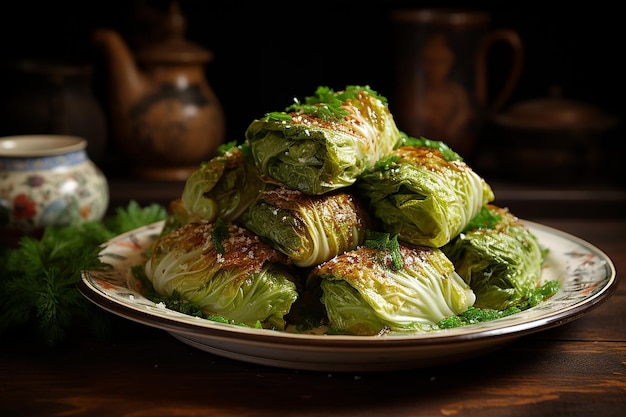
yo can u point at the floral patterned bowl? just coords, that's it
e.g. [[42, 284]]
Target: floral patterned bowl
[[48, 180]]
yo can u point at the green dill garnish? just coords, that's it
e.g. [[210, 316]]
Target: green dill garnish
[[220, 232], [385, 242], [38, 277]]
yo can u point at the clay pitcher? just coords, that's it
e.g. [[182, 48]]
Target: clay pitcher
[[165, 117], [442, 73]]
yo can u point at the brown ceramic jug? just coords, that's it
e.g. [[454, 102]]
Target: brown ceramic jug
[[165, 117], [441, 73]]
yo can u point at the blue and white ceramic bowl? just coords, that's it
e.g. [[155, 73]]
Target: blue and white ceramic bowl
[[48, 180]]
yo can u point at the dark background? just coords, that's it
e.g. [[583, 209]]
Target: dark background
[[267, 53]]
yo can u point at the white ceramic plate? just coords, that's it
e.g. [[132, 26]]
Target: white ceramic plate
[[586, 274]]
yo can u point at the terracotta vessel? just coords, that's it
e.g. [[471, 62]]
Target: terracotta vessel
[[165, 117]]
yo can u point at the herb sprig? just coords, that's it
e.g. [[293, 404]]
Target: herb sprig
[[388, 243], [38, 277]]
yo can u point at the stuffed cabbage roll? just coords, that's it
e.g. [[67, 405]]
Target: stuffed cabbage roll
[[308, 229], [365, 294], [326, 142], [499, 258], [423, 197], [225, 270], [222, 187]]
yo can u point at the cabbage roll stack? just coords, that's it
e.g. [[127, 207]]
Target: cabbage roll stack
[[222, 187], [365, 294], [308, 229], [325, 143], [225, 270], [499, 258], [423, 197]]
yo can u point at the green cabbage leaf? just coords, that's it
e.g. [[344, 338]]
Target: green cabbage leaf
[[309, 229], [499, 258], [364, 294], [325, 143], [226, 271], [223, 187], [421, 196]]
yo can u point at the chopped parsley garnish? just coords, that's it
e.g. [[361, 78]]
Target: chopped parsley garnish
[[442, 147], [485, 219], [326, 104], [386, 242], [475, 315]]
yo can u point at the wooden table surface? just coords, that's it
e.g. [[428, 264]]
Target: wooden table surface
[[576, 369]]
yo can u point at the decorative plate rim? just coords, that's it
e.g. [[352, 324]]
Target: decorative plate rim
[[587, 275]]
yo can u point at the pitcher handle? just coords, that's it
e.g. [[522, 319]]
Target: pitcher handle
[[514, 41]]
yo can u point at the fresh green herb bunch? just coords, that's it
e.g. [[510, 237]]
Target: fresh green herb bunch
[[38, 277]]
